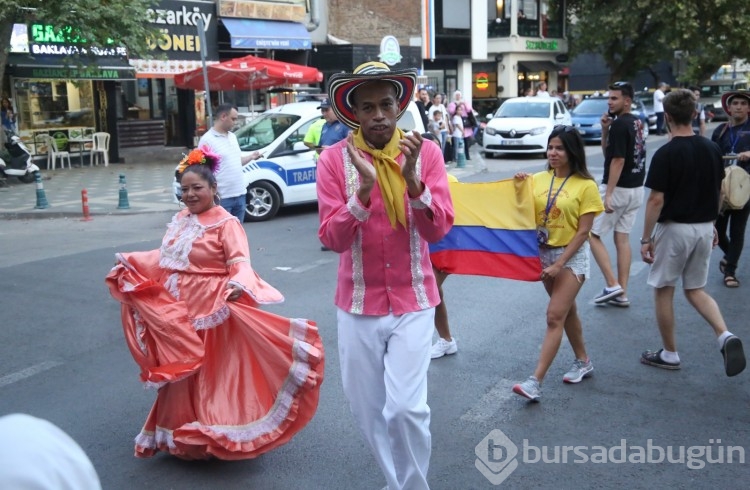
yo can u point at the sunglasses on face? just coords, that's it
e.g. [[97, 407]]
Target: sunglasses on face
[[624, 87]]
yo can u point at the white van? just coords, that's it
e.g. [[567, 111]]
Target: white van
[[285, 175]]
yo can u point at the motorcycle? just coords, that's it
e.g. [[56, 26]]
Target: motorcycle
[[20, 164]]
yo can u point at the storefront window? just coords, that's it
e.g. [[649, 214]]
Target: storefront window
[[52, 104], [498, 18], [58, 108], [528, 18]]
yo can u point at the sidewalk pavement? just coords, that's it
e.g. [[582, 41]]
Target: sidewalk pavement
[[148, 175]]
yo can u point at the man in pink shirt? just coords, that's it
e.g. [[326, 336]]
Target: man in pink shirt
[[382, 196]]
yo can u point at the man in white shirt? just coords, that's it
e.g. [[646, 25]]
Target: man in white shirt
[[223, 142], [659, 107], [541, 90]]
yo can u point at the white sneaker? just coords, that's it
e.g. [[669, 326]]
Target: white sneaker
[[442, 348]]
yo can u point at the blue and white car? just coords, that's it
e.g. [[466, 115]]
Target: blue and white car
[[286, 173]]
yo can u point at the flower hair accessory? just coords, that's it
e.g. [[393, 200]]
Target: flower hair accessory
[[200, 156]]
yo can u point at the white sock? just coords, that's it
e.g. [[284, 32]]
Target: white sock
[[668, 356], [723, 338]]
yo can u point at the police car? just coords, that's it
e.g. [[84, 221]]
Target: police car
[[285, 174]]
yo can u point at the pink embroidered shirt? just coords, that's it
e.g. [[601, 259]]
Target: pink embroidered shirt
[[382, 269]]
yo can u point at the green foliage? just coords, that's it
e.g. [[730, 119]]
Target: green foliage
[[634, 35], [96, 22]]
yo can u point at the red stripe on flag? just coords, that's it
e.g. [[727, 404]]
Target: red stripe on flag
[[475, 263]]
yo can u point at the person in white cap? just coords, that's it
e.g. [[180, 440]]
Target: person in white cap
[[37, 455]]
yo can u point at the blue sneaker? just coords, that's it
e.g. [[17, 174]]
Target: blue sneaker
[[609, 293]]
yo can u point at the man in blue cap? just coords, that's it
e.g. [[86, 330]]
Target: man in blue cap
[[333, 130]]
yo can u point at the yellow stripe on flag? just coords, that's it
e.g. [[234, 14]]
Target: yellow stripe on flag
[[504, 204]]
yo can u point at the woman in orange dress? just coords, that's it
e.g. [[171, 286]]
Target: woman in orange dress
[[233, 381]]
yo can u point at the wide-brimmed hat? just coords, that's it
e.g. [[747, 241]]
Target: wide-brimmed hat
[[726, 98], [342, 85]]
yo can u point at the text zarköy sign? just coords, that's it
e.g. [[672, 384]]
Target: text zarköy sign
[[177, 24]]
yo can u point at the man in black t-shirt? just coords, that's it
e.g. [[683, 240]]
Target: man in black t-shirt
[[621, 190], [678, 232], [733, 137]]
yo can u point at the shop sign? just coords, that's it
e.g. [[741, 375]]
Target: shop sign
[[93, 73], [177, 26], [390, 51], [44, 39], [482, 81], [541, 45]]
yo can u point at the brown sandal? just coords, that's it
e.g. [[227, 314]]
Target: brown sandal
[[731, 282]]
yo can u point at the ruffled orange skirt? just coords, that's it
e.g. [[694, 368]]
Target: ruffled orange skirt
[[233, 391]]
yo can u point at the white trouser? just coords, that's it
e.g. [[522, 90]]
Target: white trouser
[[384, 361]]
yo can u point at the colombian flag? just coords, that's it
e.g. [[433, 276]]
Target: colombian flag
[[494, 232]]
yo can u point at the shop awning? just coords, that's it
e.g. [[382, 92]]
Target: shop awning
[[532, 66], [267, 34], [27, 66]]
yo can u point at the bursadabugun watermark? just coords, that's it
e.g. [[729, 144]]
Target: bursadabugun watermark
[[496, 455]]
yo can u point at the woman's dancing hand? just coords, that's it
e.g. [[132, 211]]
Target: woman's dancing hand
[[234, 292], [521, 176]]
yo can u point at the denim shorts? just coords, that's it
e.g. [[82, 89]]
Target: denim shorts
[[579, 263]]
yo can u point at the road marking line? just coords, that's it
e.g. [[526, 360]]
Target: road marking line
[[490, 402], [28, 372], [305, 268]]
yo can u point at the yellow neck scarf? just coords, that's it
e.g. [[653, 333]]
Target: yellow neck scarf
[[388, 171]]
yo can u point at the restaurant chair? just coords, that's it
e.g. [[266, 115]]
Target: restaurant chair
[[53, 153], [100, 148]]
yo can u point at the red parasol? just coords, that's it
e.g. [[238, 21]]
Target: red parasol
[[248, 73]]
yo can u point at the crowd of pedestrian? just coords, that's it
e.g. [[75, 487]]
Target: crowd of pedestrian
[[191, 309]]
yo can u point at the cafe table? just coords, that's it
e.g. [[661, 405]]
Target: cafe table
[[81, 144]]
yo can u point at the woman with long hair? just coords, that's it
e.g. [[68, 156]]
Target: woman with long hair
[[566, 199]]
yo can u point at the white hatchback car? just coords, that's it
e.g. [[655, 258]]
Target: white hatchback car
[[286, 174], [523, 125]]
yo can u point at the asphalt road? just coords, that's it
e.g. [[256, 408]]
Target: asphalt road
[[63, 357]]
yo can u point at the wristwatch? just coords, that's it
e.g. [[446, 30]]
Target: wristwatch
[[646, 241]]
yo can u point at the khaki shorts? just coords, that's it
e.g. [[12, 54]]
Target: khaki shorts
[[681, 250], [625, 202]]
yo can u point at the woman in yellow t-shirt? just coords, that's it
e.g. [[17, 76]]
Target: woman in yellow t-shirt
[[566, 199]]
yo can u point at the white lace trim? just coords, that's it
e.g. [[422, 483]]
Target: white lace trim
[[214, 319], [354, 207], [238, 260], [172, 285], [424, 201], [154, 385], [279, 412], [150, 440], [178, 241]]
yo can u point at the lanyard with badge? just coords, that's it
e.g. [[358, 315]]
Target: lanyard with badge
[[734, 138], [542, 233]]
